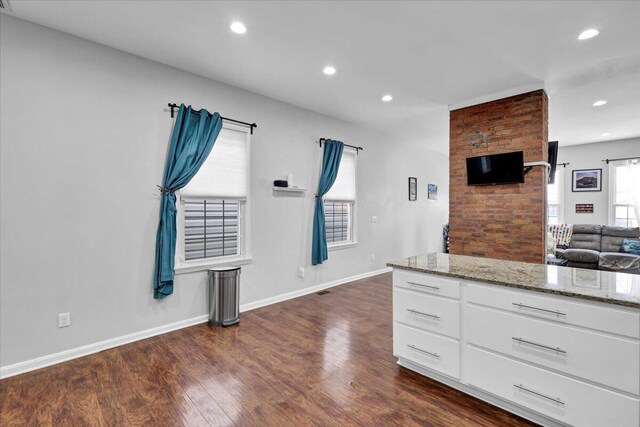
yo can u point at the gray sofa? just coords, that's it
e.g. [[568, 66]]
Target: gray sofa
[[598, 247]]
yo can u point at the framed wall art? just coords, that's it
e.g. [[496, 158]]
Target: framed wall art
[[586, 180]]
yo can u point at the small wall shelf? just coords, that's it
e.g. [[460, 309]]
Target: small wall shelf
[[289, 190]]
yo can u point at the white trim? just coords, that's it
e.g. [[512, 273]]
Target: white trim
[[311, 290], [498, 95], [338, 246], [210, 263], [74, 353], [85, 350]]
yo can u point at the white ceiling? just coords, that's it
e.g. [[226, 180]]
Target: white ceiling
[[428, 55]]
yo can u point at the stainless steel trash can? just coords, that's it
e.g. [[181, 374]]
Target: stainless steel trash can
[[224, 296]]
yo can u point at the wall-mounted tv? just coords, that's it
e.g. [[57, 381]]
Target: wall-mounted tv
[[506, 168]]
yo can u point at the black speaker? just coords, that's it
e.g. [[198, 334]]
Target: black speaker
[[280, 183]]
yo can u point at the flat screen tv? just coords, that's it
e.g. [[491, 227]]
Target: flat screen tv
[[553, 159], [506, 168]]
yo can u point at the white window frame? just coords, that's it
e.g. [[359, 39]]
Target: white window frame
[[349, 243], [354, 211], [612, 193], [244, 224], [560, 185]]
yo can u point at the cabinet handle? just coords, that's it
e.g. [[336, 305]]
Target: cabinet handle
[[553, 399], [559, 313], [413, 347], [435, 288], [520, 340], [433, 316]]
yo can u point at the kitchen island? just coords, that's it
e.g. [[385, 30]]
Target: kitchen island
[[556, 345]]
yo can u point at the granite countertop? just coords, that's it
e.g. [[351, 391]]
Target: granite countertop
[[603, 286]]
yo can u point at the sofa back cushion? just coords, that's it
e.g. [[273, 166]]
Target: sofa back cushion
[[586, 236], [612, 237]]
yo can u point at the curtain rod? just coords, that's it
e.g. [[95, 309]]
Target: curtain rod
[[614, 160], [175, 106], [346, 145], [564, 165]]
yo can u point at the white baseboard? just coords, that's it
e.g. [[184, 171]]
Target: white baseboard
[[311, 290], [74, 353]]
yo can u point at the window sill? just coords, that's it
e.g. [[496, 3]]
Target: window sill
[[342, 246], [204, 266]]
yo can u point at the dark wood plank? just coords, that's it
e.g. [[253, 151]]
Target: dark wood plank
[[317, 360]]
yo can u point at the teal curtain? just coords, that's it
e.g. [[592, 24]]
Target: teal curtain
[[330, 164], [191, 142]]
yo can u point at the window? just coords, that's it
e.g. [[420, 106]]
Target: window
[[337, 219], [623, 181], [554, 196], [212, 213], [211, 228], [340, 201]]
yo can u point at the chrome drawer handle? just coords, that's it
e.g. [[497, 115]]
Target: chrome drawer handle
[[559, 313], [553, 399], [435, 288], [433, 316], [413, 347], [558, 349]]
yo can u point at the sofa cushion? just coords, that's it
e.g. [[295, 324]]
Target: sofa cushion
[[629, 232], [586, 240], [619, 261], [581, 255], [612, 237], [587, 229]]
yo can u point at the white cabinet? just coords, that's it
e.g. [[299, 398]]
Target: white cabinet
[[431, 313], [567, 400], [600, 358], [553, 359], [432, 351]]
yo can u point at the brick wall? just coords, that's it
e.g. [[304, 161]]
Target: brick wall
[[499, 221]]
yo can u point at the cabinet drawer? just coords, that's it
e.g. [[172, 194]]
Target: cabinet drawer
[[428, 312], [601, 358], [431, 351], [617, 321], [542, 391], [426, 283]]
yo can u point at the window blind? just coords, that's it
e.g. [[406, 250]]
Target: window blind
[[225, 172], [344, 189], [211, 228], [337, 220]]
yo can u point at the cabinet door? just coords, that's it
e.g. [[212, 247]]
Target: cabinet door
[[604, 359]]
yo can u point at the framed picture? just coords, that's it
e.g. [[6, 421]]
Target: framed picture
[[432, 192], [413, 189], [586, 180]]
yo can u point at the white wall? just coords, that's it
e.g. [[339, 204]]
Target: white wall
[[590, 156], [84, 132]]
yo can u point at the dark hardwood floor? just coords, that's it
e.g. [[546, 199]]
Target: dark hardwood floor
[[315, 360]]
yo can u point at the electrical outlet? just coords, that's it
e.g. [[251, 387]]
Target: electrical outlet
[[64, 320], [373, 257], [374, 218], [301, 272]]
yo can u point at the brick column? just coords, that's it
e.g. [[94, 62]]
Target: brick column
[[499, 221]]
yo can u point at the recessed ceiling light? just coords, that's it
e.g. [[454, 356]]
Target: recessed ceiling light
[[387, 98], [587, 34], [599, 103], [329, 70], [605, 134], [238, 28]]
